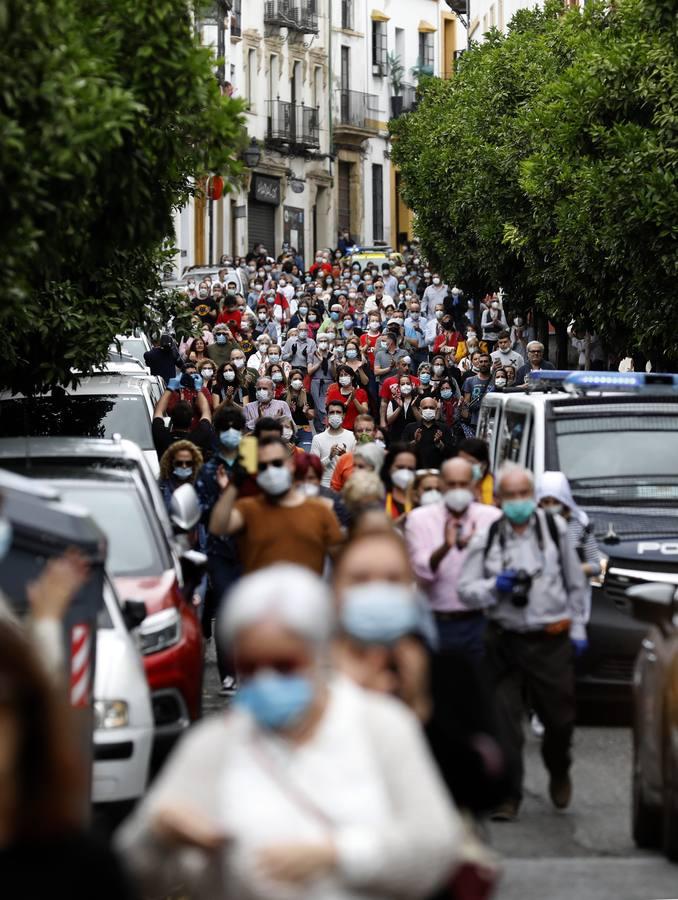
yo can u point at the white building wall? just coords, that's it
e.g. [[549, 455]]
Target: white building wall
[[250, 44]]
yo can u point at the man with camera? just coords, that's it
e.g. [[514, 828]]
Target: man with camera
[[526, 575]]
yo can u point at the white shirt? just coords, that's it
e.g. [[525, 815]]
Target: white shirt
[[322, 444], [364, 779]]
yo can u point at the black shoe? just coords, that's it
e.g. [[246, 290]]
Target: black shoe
[[560, 790], [505, 812]]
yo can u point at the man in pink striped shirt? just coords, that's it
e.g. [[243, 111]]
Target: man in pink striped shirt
[[437, 536]]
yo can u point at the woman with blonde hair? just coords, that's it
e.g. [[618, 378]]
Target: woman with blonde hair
[[179, 464]]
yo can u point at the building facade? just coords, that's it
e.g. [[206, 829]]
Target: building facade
[[321, 79]]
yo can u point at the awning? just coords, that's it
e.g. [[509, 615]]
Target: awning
[[426, 26], [378, 16]]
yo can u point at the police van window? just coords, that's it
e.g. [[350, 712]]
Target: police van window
[[486, 422], [635, 456], [514, 433]]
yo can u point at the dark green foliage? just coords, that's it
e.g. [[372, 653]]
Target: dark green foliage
[[108, 111]]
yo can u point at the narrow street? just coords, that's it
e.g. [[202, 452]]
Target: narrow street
[[586, 853]]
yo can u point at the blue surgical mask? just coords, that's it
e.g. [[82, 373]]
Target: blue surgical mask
[[379, 612], [425, 377], [6, 534], [230, 438], [447, 395], [220, 338], [334, 316], [519, 511], [276, 701], [197, 381], [181, 473]]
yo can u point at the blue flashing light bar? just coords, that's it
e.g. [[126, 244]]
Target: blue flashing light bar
[[630, 382], [547, 379]]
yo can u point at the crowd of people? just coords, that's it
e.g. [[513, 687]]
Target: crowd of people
[[386, 610]]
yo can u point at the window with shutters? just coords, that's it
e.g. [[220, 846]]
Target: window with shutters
[[377, 203], [344, 210], [379, 48]]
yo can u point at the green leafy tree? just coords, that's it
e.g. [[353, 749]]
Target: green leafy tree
[[548, 165], [109, 113], [601, 179], [460, 152]]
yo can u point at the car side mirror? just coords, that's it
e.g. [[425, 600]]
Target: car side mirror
[[133, 613], [185, 509], [654, 603]]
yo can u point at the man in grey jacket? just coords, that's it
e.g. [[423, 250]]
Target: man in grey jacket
[[525, 574]]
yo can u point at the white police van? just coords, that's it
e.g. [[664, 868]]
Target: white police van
[[615, 436]]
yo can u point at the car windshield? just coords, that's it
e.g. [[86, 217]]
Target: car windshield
[[135, 347], [620, 458], [119, 512], [78, 415]]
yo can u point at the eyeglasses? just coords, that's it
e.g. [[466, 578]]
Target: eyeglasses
[[183, 464], [283, 666], [276, 463]]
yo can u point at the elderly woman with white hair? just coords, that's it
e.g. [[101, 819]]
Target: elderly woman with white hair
[[308, 787]]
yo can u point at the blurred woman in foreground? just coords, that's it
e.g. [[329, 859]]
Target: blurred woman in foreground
[[308, 787], [44, 850]]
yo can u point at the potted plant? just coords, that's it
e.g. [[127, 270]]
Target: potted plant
[[395, 72]]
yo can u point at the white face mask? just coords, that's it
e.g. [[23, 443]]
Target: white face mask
[[287, 434], [500, 382], [428, 415], [556, 509], [238, 363], [458, 499], [438, 370], [275, 481], [344, 380], [263, 395], [309, 489], [439, 313], [429, 497], [405, 389], [402, 478], [296, 384], [373, 326], [207, 373], [436, 281], [335, 420], [277, 377]]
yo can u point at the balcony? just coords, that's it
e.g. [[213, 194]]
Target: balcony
[[298, 16], [293, 127]]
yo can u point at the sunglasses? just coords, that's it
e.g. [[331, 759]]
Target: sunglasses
[[183, 465], [276, 463], [283, 666]]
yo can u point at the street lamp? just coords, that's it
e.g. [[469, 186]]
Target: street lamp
[[252, 155]]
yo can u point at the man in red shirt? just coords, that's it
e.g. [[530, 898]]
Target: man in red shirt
[[199, 399]]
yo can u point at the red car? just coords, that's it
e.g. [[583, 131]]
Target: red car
[[112, 480]]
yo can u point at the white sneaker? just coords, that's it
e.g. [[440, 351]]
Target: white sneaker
[[536, 725], [228, 686]]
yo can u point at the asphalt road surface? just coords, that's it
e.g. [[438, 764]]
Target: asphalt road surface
[[585, 853]]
